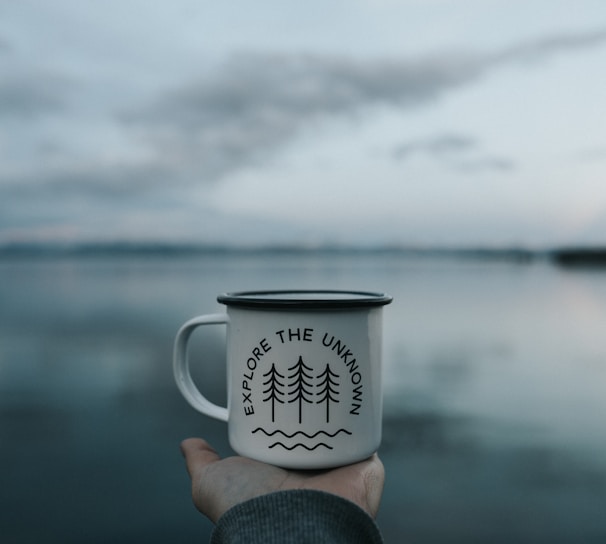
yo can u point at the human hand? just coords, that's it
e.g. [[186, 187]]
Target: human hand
[[219, 484]]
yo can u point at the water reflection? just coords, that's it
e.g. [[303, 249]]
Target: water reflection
[[494, 409]]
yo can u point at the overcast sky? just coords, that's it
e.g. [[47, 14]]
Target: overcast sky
[[457, 122]]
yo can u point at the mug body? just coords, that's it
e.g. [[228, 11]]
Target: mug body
[[304, 382]]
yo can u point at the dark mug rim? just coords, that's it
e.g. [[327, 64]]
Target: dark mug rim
[[304, 298]]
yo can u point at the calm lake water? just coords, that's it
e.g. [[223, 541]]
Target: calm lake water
[[495, 394]]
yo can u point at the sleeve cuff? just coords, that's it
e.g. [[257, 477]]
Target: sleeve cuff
[[301, 516]]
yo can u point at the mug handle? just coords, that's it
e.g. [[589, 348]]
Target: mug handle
[[181, 366]]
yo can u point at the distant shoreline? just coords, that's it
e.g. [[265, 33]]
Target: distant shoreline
[[566, 256], [580, 257]]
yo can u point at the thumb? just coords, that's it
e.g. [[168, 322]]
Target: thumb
[[198, 455]]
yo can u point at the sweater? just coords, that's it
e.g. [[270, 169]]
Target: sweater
[[297, 516]]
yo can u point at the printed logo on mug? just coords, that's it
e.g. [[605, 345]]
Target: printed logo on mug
[[304, 375]]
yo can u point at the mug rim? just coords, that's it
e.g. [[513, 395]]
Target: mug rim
[[304, 298]]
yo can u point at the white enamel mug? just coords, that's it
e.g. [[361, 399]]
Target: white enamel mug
[[304, 375]]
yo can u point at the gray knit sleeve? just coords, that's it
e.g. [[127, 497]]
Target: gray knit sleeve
[[298, 516]]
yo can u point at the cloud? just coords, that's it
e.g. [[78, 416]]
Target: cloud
[[24, 97], [456, 151], [4, 46], [27, 92], [545, 48], [97, 180], [258, 103], [110, 199], [239, 116], [440, 145], [483, 164], [255, 104]]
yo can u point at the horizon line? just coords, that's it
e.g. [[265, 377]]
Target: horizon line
[[564, 254]]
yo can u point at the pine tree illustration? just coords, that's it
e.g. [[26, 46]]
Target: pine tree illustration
[[274, 389], [327, 392], [300, 385]]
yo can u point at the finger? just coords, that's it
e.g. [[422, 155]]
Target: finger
[[374, 479], [198, 455]]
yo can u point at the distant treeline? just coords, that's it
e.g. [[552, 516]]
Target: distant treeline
[[569, 257], [591, 257]]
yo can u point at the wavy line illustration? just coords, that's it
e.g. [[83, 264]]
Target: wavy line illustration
[[301, 432], [290, 448]]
